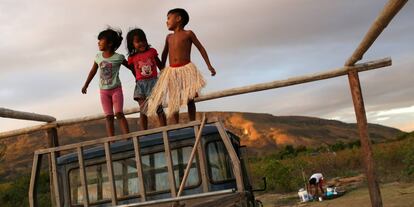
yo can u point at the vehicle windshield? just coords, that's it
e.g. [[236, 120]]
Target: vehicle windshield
[[155, 173], [126, 179]]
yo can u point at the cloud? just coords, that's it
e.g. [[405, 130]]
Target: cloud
[[47, 48], [397, 111]]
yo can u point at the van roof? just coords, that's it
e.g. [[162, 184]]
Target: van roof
[[145, 141]]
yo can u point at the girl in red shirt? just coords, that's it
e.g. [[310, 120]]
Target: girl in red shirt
[[143, 59]]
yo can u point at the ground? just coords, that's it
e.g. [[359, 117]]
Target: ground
[[393, 195]]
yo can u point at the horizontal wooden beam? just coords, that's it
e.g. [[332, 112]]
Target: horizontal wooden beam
[[122, 136], [297, 80], [8, 113], [380, 63], [92, 117]]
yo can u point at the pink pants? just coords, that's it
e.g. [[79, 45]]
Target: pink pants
[[112, 99]]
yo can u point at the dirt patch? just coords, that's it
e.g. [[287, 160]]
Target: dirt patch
[[393, 195]]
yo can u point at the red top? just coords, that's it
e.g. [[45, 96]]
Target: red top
[[144, 64]]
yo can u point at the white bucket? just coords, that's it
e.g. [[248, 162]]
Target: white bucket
[[303, 195]]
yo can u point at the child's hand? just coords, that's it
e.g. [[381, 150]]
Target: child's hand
[[84, 89], [212, 70]]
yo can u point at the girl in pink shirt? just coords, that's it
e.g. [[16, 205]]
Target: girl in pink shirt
[[144, 61]]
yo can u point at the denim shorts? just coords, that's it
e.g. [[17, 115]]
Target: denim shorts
[[144, 87]]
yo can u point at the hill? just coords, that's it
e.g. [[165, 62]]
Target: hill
[[263, 133]]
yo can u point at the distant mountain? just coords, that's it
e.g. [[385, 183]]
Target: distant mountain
[[263, 133]]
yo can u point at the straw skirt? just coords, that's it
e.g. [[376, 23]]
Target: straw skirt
[[175, 86]]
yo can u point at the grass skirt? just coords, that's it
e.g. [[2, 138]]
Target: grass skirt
[[175, 86]]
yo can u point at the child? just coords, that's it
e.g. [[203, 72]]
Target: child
[[181, 81], [109, 62], [144, 61]]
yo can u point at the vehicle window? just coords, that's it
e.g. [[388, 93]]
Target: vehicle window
[[126, 180], [180, 159], [156, 173], [125, 175], [219, 162]]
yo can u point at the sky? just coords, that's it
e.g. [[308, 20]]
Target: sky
[[47, 48]]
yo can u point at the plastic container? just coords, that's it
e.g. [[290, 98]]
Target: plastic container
[[303, 195], [329, 192]]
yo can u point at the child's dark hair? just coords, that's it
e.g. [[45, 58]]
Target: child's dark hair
[[182, 13], [137, 32], [112, 36]]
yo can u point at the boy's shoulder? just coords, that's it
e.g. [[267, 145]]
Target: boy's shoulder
[[184, 32], [188, 32]]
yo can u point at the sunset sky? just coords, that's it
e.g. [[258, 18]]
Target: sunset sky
[[47, 48]]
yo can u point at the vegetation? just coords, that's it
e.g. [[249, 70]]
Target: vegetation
[[15, 193], [288, 169]]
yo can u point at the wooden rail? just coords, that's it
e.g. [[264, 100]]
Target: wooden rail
[[192, 155], [380, 23], [370, 65], [8, 113]]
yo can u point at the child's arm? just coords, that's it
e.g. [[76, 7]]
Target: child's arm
[[203, 52], [92, 73], [159, 63], [164, 53], [130, 67]]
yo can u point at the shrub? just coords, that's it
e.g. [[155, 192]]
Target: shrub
[[16, 193]]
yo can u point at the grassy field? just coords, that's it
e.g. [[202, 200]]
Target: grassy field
[[287, 170], [394, 162]]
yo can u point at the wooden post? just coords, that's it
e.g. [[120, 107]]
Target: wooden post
[[233, 156], [140, 173], [368, 160], [55, 179], [380, 23], [110, 169], [190, 160], [82, 175], [52, 138], [169, 162], [52, 141], [34, 179], [203, 163]]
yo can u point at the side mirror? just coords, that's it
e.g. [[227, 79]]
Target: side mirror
[[264, 186]]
